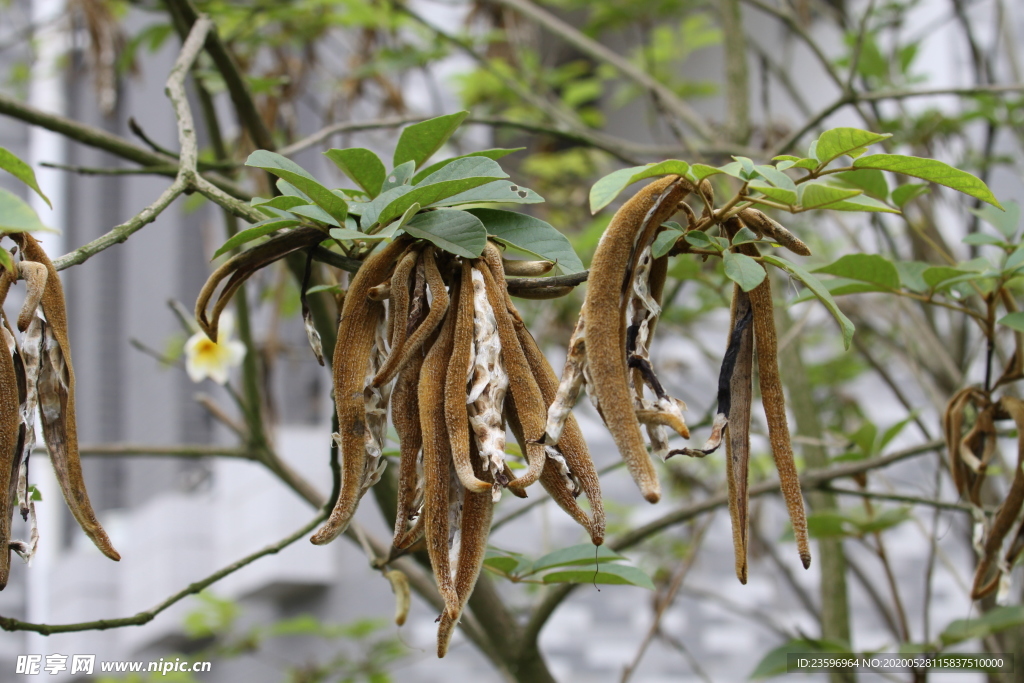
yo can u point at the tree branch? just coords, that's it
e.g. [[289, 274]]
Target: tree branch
[[10, 624], [810, 480]]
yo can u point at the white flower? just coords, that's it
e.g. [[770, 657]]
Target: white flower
[[205, 358]]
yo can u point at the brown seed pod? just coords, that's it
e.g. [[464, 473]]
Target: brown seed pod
[[356, 334], [57, 400], [437, 460], [523, 389], [10, 428], [605, 312], [526, 268], [35, 275], [417, 335], [765, 226], [1007, 513], [398, 316], [460, 367], [737, 438]]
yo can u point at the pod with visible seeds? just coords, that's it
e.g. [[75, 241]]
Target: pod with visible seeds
[[605, 312], [488, 384], [523, 389], [356, 335], [57, 400], [460, 368]]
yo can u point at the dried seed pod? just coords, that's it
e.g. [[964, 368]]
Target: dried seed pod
[[468, 553], [1007, 513], [631, 230], [398, 316], [418, 335], [526, 268], [766, 345], [437, 459], [765, 226], [10, 430], [461, 368], [242, 266], [488, 383], [737, 443], [523, 389], [403, 595], [356, 335], [375, 405], [569, 469], [544, 293], [57, 400], [34, 274]]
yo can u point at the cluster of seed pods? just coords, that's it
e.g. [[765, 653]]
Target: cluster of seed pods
[[36, 372], [438, 337]]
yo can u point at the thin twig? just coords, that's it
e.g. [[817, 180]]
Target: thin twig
[[144, 617]]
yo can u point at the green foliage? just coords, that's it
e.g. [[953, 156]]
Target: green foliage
[[420, 141], [743, 270], [931, 170], [608, 188], [584, 563], [994, 621], [22, 171]]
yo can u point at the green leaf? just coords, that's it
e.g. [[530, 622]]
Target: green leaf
[[35, 494], [839, 141], [606, 573], [290, 190], [743, 270], [585, 553], [978, 239], [392, 203], [820, 195], [775, 663], [904, 193], [702, 240], [664, 242], [865, 267], [936, 275], [871, 181], [495, 154], [457, 232], [350, 234], [531, 235], [333, 289], [744, 236], [469, 167], [1015, 321], [1006, 221], [608, 188], [257, 230], [17, 216], [22, 171], [6, 261], [912, 274], [932, 171], [419, 141], [994, 621], [776, 194], [795, 162], [699, 172], [284, 202], [361, 165], [288, 170], [498, 191], [819, 290], [400, 175], [776, 178], [316, 213], [861, 203]]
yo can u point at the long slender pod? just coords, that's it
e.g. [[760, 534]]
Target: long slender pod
[[10, 426], [605, 314], [398, 315], [356, 335], [57, 401], [737, 436]]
